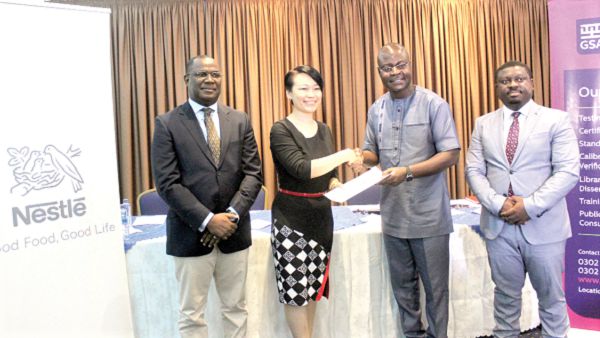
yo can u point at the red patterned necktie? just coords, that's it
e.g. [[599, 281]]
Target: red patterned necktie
[[511, 143], [211, 135]]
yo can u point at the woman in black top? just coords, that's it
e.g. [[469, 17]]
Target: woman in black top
[[302, 224]]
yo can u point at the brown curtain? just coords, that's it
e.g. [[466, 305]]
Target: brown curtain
[[455, 47]]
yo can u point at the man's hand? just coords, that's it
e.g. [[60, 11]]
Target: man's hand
[[396, 176], [220, 227], [508, 203], [209, 239], [515, 214]]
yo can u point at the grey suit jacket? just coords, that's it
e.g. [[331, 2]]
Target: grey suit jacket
[[193, 185], [545, 168]]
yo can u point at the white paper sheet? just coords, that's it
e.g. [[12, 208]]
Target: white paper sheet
[[259, 224], [356, 186], [133, 230], [465, 203], [156, 219]]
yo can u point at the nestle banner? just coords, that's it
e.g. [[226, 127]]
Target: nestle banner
[[62, 263], [575, 64]]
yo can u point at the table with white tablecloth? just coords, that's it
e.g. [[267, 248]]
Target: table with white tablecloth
[[361, 303]]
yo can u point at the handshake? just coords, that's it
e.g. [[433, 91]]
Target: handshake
[[355, 159]]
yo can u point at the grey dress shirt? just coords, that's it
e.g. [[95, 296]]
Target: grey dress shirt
[[404, 132]]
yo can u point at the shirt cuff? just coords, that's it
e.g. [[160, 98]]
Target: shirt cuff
[[202, 227], [232, 210]]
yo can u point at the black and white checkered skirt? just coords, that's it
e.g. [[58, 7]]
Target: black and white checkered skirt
[[301, 239], [301, 266]]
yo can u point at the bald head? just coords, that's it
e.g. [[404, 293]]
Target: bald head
[[394, 70], [389, 51]]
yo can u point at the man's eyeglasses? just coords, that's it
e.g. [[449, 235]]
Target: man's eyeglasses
[[400, 66], [508, 81], [204, 75]]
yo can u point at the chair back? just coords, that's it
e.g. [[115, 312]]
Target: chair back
[[369, 196], [260, 203], [150, 203]]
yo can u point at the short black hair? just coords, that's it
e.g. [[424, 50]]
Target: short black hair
[[190, 62], [512, 64], [308, 70]]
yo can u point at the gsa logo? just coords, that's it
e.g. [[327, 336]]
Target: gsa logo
[[37, 170], [588, 36]]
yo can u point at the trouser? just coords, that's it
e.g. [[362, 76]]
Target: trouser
[[511, 257], [194, 275], [427, 259]]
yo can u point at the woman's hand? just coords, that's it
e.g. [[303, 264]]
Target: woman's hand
[[334, 183]]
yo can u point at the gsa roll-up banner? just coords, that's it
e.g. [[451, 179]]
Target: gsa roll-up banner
[[575, 65], [62, 263]]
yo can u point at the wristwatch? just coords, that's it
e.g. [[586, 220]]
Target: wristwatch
[[409, 174]]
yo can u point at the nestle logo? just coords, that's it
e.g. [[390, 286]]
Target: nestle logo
[[43, 169], [49, 211], [588, 36]]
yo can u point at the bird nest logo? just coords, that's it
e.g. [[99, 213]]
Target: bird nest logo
[[38, 170]]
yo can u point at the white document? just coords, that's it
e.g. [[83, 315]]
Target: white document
[[473, 206], [259, 224], [356, 186], [155, 219]]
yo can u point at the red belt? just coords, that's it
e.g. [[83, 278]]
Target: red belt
[[301, 194]]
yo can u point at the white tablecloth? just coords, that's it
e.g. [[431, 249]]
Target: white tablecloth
[[361, 303]]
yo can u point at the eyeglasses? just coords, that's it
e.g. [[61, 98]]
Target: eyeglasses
[[517, 79], [204, 75], [400, 66]]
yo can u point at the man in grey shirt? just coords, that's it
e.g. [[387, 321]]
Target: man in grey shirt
[[411, 135]]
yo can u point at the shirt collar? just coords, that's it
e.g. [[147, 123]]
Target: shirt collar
[[197, 107], [525, 110]]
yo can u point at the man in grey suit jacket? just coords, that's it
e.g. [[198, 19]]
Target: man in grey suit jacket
[[206, 167], [524, 217]]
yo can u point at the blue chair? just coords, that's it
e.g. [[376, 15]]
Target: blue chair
[[150, 203], [369, 196], [260, 203]]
